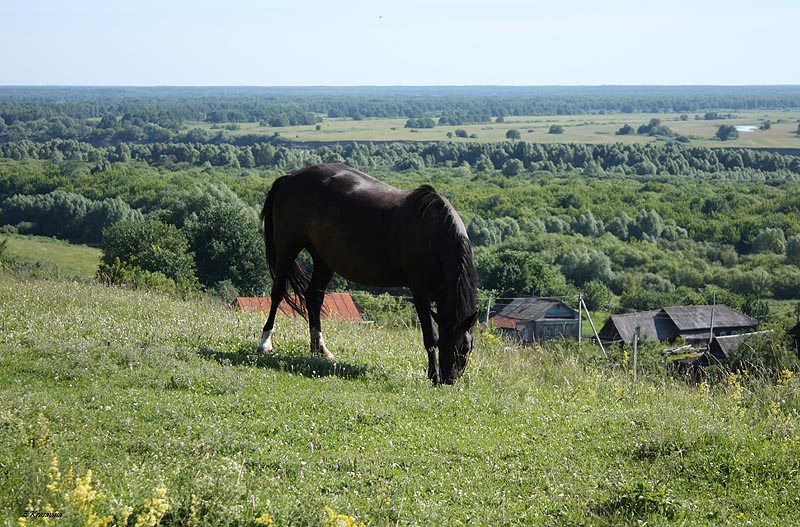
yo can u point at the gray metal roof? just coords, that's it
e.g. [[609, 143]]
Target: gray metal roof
[[695, 318], [530, 308], [668, 323], [654, 325], [728, 345]]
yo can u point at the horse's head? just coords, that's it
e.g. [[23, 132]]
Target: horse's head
[[454, 348]]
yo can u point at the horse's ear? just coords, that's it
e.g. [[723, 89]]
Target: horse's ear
[[469, 322]]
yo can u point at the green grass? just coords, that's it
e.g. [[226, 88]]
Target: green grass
[[592, 129], [65, 259], [150, 392]]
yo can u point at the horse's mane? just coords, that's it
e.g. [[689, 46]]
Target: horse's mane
[[461, 288]]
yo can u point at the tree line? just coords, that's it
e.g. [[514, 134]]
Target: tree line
[[510, 157]]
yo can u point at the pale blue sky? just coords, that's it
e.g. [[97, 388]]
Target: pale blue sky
[[398, 42]]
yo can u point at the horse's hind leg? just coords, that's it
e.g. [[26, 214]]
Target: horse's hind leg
[[282, 267], [315, 295], [278, 290]]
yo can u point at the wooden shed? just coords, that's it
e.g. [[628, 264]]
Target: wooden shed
[[692, 323], [534, 319], [335, 305]]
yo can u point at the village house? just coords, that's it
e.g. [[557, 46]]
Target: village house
[[534, 319], [690, 323]]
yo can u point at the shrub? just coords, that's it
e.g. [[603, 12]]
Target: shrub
[[151, 246]]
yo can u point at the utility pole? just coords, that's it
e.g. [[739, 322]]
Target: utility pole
[[596, 336], [636, 351], [711, 329], [580, 318]]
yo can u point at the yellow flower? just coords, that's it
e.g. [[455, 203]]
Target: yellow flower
[[340, 520], [156, 508], [266, 520]]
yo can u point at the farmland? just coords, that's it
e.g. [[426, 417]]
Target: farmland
[[166, 404], [584, 129]]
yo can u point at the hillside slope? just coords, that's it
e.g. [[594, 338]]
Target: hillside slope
[[162, 407]]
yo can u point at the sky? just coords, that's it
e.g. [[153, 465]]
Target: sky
[[398, 42]]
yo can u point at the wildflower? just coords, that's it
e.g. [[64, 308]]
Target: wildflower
[[156, 508], [340, 520], [785, 378], [266, 520]]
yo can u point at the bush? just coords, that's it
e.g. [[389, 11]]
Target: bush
[[151, 246], [727, 132], [124, 274], [227, 245]]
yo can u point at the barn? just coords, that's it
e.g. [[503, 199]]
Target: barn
[[691, 323], [534, 319], [335, 305]]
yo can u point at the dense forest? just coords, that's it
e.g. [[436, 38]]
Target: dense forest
[[630, 226]]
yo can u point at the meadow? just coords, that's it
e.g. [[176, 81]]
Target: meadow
[[124, 407], [52, 256], [585, 129]]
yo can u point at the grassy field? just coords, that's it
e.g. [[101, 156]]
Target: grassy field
[[577, 129], [124, 407], [64, 259]]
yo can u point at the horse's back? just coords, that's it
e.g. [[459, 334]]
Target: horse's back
[[355, 223], [333, 182]]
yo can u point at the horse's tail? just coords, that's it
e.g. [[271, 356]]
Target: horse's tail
[[297, 277]]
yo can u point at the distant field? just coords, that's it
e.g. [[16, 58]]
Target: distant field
[[592, 129], [70, 260]]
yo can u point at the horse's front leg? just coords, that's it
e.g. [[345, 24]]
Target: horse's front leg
[[429, 339]]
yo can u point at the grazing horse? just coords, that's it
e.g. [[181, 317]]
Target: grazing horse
[[373, 234]]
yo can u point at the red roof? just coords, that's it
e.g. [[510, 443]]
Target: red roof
[[335, 305]]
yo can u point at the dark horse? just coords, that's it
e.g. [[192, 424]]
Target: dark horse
[[377, 235]]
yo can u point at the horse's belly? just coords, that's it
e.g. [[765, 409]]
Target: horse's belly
[[365, 267]]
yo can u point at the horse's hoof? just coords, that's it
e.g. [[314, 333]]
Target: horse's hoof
[[265, 346], [327, 355]]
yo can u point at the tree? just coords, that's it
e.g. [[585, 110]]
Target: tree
[[727, 132], [152, 246], [227, 245], [648, 225], [620, 225], [556, 129], [596, 295], [587, 225], [793, 250], [513, 134], [769, 240], [482, 233], [625, 130], [518, 273], [513, 167], [647, 128], [581, 266]]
